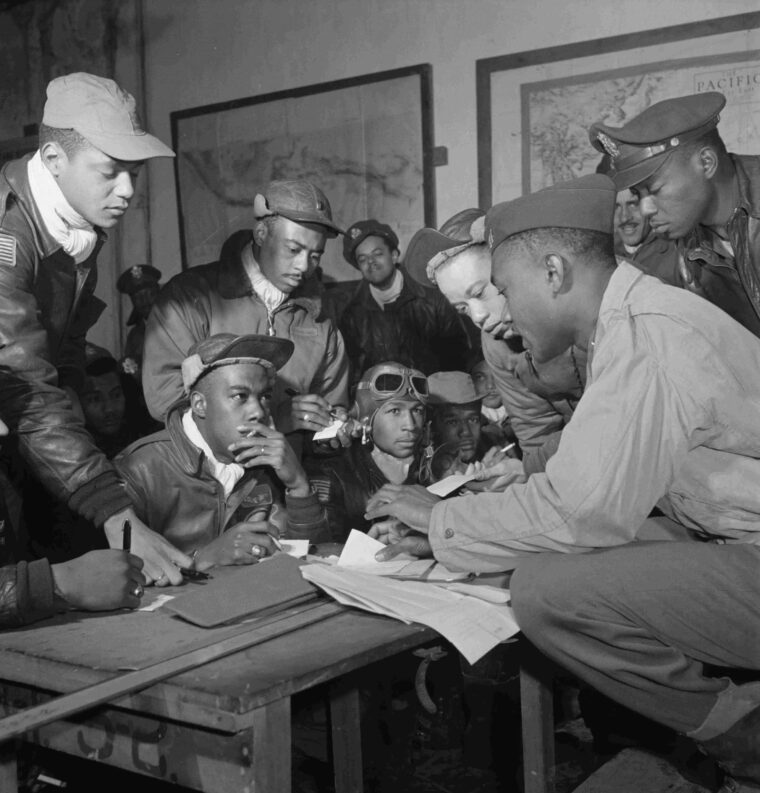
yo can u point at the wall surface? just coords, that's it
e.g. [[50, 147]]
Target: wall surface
[[204, 51]]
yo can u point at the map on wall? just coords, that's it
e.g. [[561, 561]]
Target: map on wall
[[536, 111], [558, 112], [361, 144]]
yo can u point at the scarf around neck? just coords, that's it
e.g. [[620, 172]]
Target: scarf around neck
[[75, 235], [384, 296], [227, 474], [268, 293]]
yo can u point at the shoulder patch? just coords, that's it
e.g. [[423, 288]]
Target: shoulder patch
[[322, 488], [7, 250]]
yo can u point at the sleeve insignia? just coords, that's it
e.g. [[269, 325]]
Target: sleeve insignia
[[7, 250]]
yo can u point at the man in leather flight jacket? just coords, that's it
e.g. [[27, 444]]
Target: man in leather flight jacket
[[54, 206]]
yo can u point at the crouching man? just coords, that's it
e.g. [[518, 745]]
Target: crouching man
[[210, 482]]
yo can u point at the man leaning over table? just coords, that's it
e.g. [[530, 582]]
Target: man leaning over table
[[670, 418], [55, 206]]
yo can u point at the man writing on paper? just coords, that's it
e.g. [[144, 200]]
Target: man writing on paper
[[670, 417], [55, 206], [258, 286]]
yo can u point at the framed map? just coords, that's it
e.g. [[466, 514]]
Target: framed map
[[535, 108], [366, 141]]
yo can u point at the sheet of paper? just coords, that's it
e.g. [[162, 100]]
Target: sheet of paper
[[471, 624], [159, 601], [450, 484], [297, 548], [329, 432], [359, 554], [359, 550]]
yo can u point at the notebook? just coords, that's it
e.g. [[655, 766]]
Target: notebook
[[251, 591]]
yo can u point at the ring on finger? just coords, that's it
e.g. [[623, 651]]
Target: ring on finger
[[256, 550], [138, 591], [305, 416]]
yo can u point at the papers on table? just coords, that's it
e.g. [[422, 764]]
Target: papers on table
[[472, 624], [329, 432], [359, 554], [449, 484]]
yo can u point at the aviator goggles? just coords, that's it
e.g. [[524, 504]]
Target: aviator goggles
[[389, 381]]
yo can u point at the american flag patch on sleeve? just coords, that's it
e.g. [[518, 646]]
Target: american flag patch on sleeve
[[322, 488], [7, 250]]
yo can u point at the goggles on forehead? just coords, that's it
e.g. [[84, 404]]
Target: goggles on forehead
[[390, 381]]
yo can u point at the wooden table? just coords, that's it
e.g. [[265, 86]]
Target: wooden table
[[223, 727]]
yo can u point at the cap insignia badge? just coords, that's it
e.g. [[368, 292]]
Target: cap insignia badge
[[608, 144]]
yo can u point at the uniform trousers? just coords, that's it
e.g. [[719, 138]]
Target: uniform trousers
[[640, 621]]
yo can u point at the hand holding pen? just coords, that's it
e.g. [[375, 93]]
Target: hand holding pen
[[309, 411]]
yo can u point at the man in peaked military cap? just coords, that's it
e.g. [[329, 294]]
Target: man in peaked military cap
[[665, 420], [140, 282], [258, 286], [692, 190]]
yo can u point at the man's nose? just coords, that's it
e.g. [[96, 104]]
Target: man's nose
[[478, 313], [256, 411], [647, 207], [302, 261], [125, 185]]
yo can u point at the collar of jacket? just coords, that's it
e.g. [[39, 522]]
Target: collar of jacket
[[234, 281], [14, 186], [410, 291], [748, 173]]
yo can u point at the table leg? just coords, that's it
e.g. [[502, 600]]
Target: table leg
[[8, 767], [272, 750], [537, 707], [345, 721]]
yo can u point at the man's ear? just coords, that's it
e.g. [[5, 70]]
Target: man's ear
[[260, 232], [708, 161], [54, 157], [198, 404], [395, 256], [556, 272]]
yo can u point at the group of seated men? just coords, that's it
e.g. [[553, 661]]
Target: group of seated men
[[625, 387]]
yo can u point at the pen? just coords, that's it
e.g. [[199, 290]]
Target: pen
[[507, 447], [193, 575], [126, 537]]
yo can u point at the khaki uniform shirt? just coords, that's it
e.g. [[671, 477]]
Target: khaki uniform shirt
[[670, 417]]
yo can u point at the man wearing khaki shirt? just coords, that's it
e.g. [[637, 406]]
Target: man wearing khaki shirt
[[670, 418]]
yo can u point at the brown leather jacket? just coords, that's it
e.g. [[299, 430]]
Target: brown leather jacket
[[26, 593], [46, 307], [219, 298], [731, 283], [173, 491]]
